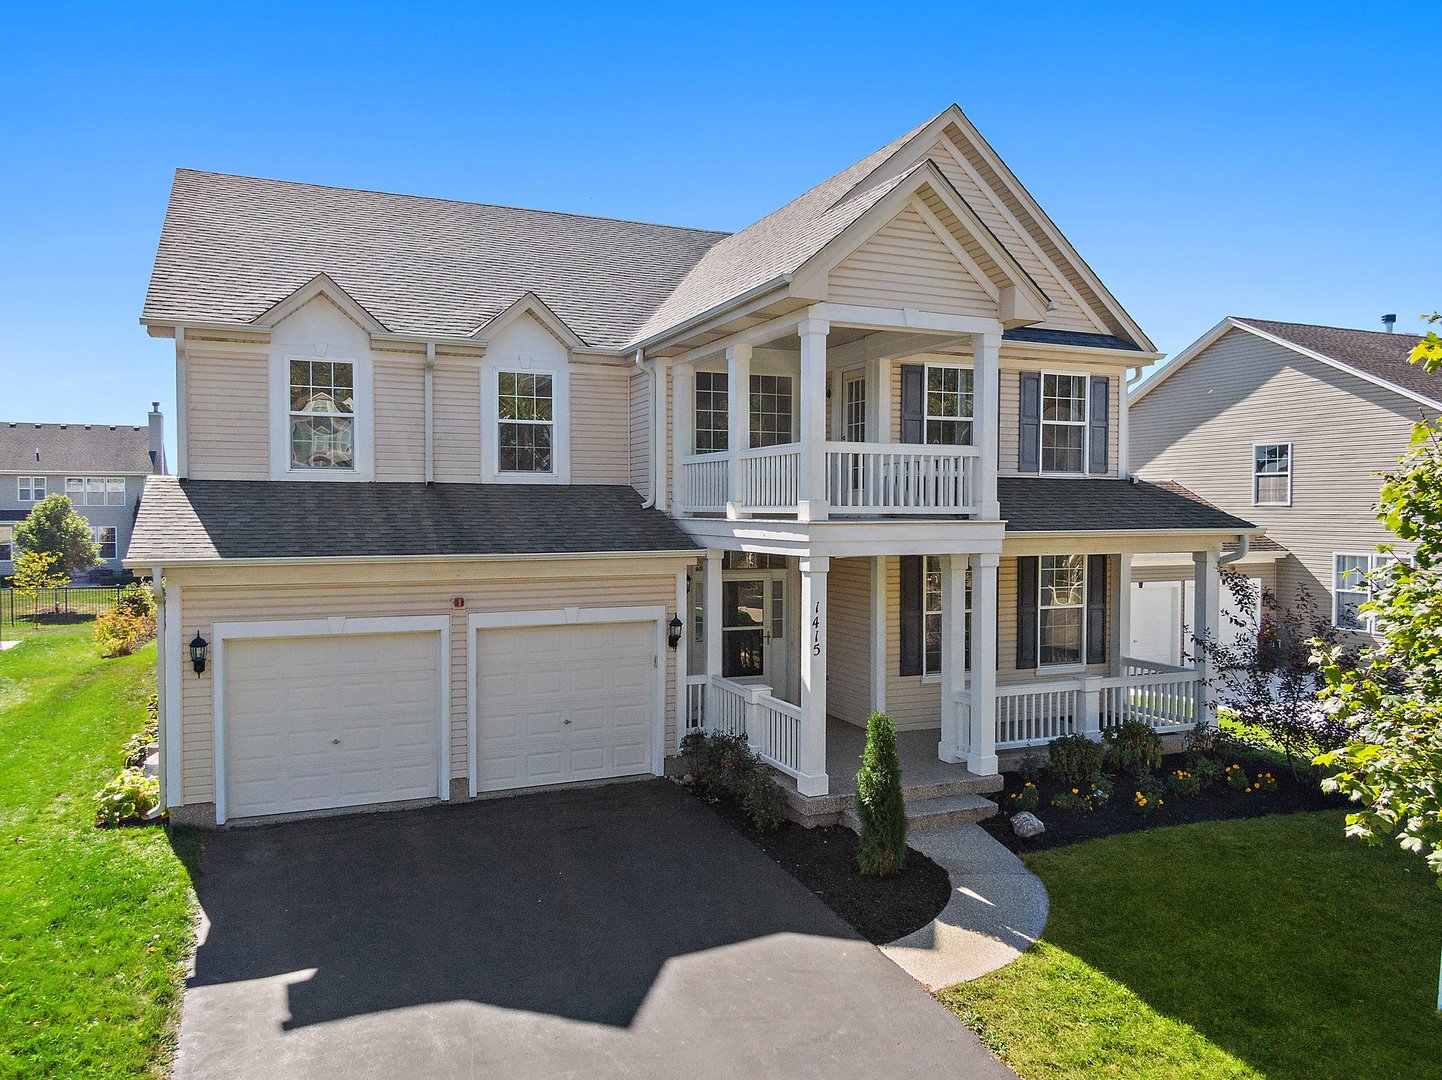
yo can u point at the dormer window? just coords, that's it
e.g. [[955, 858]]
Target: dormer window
[[525, 421], [322, 414]]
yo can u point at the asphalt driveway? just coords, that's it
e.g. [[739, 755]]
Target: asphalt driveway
[[617, 931]]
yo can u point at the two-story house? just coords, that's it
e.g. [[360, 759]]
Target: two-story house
[[474, 499], [100, 467], [1291, 426]]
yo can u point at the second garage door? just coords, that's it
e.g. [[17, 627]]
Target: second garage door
[[556, 704]]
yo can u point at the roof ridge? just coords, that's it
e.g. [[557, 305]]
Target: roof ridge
[[1325, 326], [453, 202], [71, 423]]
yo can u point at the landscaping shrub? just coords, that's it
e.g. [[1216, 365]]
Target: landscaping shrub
[[139, 743], [1237, 778], [1073, 799], [127, 799], [1147, 799], [1076, 761], [722, 766], [130, 625], [1183, 783], [881, 807], [1027, 799], [1133, 748], [1030, 767]]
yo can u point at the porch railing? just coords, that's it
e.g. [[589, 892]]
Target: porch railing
[[1033, 714], [706, 482], [768, 477], [695, 714], [890, 478], [772, 727]]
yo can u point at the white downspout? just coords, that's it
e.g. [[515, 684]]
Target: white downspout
[[430, 407], [650, 369]]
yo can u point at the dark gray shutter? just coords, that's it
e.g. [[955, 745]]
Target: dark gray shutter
[[913, 403], [1028, 569], [1096, 609], [1098, 420], [911, 645], [1028, 458]]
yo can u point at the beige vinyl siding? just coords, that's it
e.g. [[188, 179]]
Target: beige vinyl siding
[[906, 265], [1068, 315], [639, 443], [203, 605], [600, 437], [400, 420], [457, 406], [848, 642], [1008, 440], [227, 412], [1198, 428]]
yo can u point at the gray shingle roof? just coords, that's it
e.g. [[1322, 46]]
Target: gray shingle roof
[[260, 519], [74, 448], [1373, 352], [1069, 337], [234, 246], [1064, 504]]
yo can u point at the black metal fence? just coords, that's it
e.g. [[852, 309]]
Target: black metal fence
[[57, 604]]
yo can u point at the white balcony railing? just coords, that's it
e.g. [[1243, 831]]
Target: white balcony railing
[[891, 478], [1033, 714], [861, 479], [772, 727]]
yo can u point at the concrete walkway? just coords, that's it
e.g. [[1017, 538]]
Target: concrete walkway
[[997, 910]]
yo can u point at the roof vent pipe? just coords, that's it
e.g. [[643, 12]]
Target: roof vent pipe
[[1390, 322]]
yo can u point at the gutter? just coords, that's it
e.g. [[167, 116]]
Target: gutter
[[430, 411], [371, 560], [1244, 545], [649, 368]]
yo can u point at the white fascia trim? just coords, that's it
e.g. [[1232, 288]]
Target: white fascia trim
[[332, 625], [901, 319], [573, 616], [845, 539], [366, 560], [1129, 358]]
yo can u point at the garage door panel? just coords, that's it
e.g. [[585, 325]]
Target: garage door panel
[[342, 720], [531, 681]]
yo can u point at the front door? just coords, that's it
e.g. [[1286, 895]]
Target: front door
[[756, 638]]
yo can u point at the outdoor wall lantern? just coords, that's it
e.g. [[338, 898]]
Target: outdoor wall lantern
[[673, 637], [198, 648]]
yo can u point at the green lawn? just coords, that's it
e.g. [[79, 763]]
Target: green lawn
[[95, 925], [1263, 947]]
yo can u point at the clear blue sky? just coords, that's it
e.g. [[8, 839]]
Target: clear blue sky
[[1247, 159]]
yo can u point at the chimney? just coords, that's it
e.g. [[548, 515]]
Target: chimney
[[1390, 322], [157, 439]]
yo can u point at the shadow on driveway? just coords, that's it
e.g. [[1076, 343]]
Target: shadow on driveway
[[623, 930]]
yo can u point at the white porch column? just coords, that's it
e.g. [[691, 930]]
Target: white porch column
[[986, 390], [1122, 624], [811, 759], [981, 748], [1206, 617], [954, 738], [738, 417], [683, 413], [878, 633], [711, 614], [811, 471]]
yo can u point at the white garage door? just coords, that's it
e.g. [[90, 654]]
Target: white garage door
[[320, 722], [555, 704]]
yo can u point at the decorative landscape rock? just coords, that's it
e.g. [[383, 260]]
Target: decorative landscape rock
[[1027, 824]]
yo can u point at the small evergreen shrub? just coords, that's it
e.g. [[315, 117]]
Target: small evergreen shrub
[[1133, 748], [763, 802], [723, 767], [127, 800], [881, 807], [1076, 761]]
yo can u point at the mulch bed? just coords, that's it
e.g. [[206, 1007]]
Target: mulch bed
[[824, 860], [1216, 801]]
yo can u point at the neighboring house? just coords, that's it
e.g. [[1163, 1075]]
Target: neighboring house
[[102, 468], [453, 478], [1288, 425]]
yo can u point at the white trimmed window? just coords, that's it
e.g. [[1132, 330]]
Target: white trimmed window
[[31, 488], [1063, 423], [105, 537], [1272, 474], [1061, 610], [1354, 579], [931, 611], [7, 549], [525, 432], [95, 490], [712, 430], [950, 400], [770, 410], [322, 414]]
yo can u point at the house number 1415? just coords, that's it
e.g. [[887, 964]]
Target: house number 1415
[[816, 630]]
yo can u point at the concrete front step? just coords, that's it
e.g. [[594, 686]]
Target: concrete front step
[[935, 813]]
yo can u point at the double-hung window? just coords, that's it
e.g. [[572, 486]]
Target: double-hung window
[[1354, 580], [1061, 610], [1063, 423], [105, 538], [950, 401], [526, 417], [712, 430], [7, 550], [95, 490], [931, 613], [769, 408], [31, 488], [1272, 474], [322, 414]]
